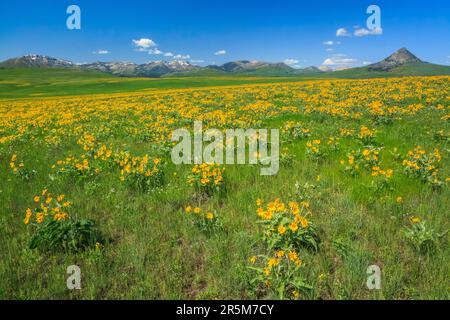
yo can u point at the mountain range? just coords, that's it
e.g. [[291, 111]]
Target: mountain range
[[402, 62]]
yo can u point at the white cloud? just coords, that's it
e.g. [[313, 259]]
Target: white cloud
[[339, 62], [144, 43], [331, 43], [342, 32], [220, 53], [168, 54], [155, 51], [365, 63], [362, 32], [325, 68], [329, 49], [182, 56], [290, 62], [100, 51]]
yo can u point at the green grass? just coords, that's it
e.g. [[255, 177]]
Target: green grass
[[155, 252], [29, 82], [45, 82]]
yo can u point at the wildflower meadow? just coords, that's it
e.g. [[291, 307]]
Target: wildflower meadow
[[363, 180]]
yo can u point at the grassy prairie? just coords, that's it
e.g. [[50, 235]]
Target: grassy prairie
[[345, 163], [31, 83]]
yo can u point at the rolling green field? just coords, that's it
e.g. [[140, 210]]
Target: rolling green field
[[29, 82], [344, 144], [45, 82]]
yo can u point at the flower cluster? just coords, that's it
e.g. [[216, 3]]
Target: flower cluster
[[103, 153], [279, 275], [87, 142], [47, 208], [377, 171], [286, 225], [344, 132], [18, 168], [313, 150], [333, 143], [424, 165], [140, 172], [366, 135], [205, 220], [55, 229], [207, 178], [382, 178], [12, 164], [286, 231], [295, 130], [76, 167], [381, 113], [366, 158]]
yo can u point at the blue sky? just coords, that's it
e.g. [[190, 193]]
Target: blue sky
[[292, 31]]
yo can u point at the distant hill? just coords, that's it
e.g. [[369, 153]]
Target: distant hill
[[127, 69], [161, 68], [243, 66], [251, 67], [260, 68], [115, 68], [152, 69], [400, 63], [267, 70], [36, 61], [398, 58]]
